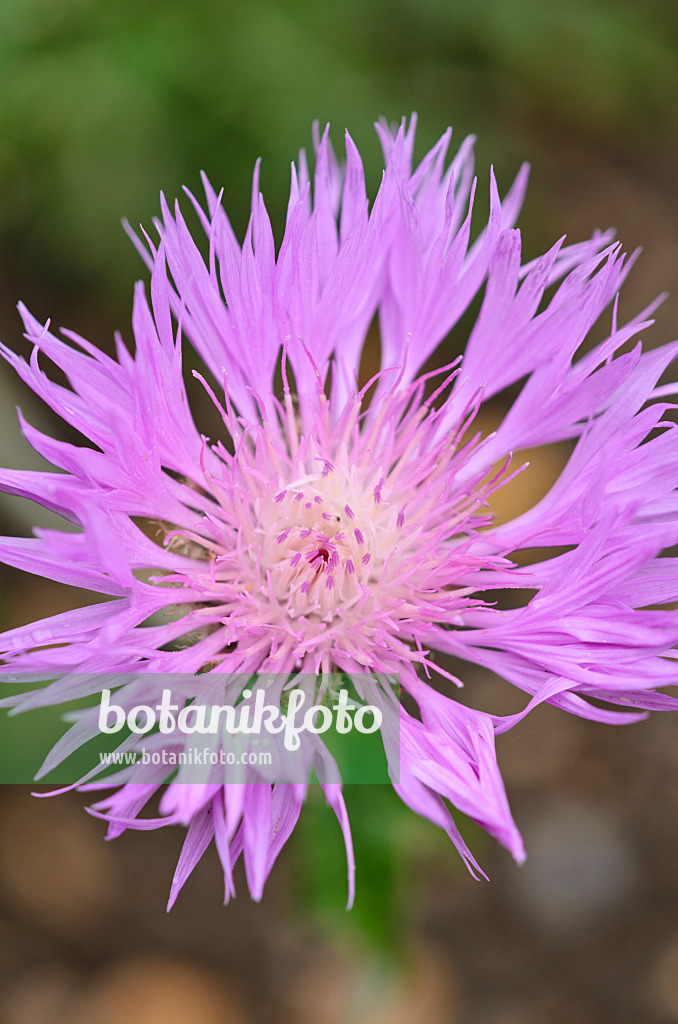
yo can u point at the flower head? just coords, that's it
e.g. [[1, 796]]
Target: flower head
[[333, 527]]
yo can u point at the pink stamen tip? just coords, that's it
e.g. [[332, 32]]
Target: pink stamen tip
[[299, 496], [366, 559], [279, 497], [318, 500], [308, 505], [349, 567], [401, 519], [349, 511], [304, 587], [330, 583], [306, 533], [326, 515], [283, 536], [297, 558], [359, 537]]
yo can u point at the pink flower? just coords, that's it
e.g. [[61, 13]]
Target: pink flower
[[332, 529]]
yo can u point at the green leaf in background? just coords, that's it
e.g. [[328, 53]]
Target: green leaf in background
[[394, 852]]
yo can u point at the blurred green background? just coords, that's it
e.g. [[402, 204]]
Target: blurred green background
[[101, 106], [104, 105]]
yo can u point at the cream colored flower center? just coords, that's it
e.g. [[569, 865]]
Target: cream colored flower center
[[316, 550]]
